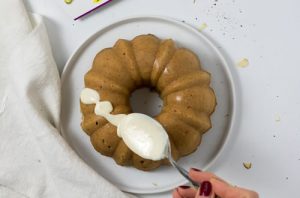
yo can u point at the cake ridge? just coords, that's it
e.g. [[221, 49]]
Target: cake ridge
[[179, 133], [98, 81], [106, 146], [107, 63], [186, 81], [145, 48], [199, 121], [183, 62], [124, 49], [185, 98], [162, 60]]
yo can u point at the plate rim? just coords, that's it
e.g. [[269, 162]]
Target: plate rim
[[225, 65]]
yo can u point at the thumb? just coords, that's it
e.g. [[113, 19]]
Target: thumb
[[205, 191]]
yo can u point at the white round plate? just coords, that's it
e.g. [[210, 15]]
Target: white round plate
[[165, 178]]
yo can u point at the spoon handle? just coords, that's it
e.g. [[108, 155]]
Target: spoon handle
[[184, 173]]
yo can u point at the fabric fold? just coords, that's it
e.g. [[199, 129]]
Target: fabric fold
[[35, 161]]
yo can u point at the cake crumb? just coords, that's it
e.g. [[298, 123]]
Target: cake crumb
[[277, 118], [243, 63], [68, 1], [247, 165], [203, 26]]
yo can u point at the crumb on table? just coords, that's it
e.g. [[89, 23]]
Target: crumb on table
[[247, 165], [243, 63], [277, 118], [203, 26], [68, 1]]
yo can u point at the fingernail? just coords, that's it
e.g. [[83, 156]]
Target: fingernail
[[195, 169], [184, 187], [205, 189]]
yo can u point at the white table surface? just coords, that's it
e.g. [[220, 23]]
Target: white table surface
[[266, 33]]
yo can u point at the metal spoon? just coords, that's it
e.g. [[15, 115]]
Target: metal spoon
[[180, 169]]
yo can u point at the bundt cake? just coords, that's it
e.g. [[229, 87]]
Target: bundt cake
[[175, 73]]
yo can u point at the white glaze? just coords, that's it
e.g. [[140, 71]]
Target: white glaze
[[141, 133], [89, 96], [144, 136], [103, 108], [115, 119]]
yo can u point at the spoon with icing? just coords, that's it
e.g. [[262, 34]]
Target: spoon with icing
[[142, 134]]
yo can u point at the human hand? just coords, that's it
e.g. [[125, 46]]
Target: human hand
[[211, 186]]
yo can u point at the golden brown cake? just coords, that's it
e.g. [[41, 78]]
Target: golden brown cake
[[175, 73]]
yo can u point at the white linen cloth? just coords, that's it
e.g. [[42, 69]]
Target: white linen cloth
[[35, 161]]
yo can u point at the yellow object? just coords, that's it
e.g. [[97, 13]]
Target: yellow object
[[247, 165], [203, 26], [97, 1], [68, 1], [243, 63], [277, 118]]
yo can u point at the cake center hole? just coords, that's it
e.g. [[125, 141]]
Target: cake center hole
[[146, 101]]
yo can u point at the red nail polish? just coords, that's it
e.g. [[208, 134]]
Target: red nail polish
[[195, 169], [184, 187], [205, 189]]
